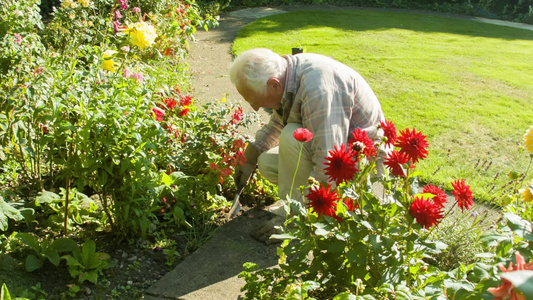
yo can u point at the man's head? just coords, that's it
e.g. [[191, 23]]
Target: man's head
[[259, 76]]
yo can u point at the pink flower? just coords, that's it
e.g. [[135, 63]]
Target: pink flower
[[137, 76], [136, 10], [213, 166], [303, 135], [506, 289], [126, 73], [116, 26], [123, 4], [117, 14], [19, 38]]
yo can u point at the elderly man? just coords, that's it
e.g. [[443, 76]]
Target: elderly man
[[305, 90]]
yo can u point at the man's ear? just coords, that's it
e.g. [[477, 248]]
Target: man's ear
[[274, 84]]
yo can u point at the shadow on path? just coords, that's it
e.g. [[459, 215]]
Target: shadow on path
[[211, 271]]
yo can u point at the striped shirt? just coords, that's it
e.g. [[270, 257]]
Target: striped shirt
[[329, 99]]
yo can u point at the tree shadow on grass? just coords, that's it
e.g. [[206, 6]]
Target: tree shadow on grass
[[365, 20]]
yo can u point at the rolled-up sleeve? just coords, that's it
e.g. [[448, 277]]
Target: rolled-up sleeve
[[268, 136]]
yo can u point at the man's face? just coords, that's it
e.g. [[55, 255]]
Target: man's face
[[272, 99]]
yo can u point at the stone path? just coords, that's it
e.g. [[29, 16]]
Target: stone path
[[211, 272]]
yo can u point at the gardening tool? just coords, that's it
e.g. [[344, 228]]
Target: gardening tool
[[236, 206]]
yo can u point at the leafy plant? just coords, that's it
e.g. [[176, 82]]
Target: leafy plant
[[5, 295], [44, 250], [7, 211], [85, 263], [80, 208]]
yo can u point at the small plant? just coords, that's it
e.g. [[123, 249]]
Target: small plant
[[5, 295], [85, 263], [171, 254], [44, 250]]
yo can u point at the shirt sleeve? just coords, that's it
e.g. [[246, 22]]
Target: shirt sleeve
[[268, 136]]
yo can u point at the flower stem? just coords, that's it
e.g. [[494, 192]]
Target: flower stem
[[296, 171]]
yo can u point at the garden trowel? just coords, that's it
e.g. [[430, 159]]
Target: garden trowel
[[236, 206]]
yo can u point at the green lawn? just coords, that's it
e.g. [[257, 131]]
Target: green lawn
[[467, 85]]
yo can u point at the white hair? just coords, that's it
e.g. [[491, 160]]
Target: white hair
[[255, 67]]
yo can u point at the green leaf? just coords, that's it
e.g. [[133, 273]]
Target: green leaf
[[167, 180], [29, 240], [4, 294], [33, 263], [52, 255], [47, 197], [321, 229], [88, 255], [284, 236], [522, 280], [336, 247], [345, 296], [517, 224], [479, 272], [178, 214], [92, 276], [8, 211]]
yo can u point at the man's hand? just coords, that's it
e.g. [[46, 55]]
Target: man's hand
[[243, 173]]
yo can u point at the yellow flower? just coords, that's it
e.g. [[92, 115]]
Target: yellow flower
[[223, 99], [527, 193], [84, 3], [108, 63], [142, 35], [528, 140], [69, 3]]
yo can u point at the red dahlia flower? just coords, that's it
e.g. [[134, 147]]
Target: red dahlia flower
[[361, 143], [440, 196], [395, 162], [506, 289], [413, 144], [463, 194], [323, 201], [389, 131], [185, 100], [158, 114], [426, 213], [303, 135], [184, 112], [341, 164], [351, 204], [170, 102]]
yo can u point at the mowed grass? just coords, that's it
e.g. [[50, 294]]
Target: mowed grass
[[468, 86]]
